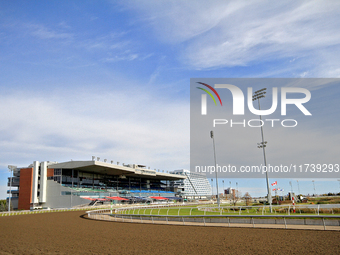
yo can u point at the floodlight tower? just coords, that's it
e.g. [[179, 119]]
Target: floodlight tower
[[257, 95], [298, 187], [236, 192], [11, 169], [218, 197], [314, 188], [291, 187]]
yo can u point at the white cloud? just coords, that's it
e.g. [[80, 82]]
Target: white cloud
[[240, 33], [127, 126]]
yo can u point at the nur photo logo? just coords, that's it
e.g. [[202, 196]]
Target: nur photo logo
[[238, 104]]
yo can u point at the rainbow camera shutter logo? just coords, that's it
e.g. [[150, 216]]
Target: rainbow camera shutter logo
[[204, 97]]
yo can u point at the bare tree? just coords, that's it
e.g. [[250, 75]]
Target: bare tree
[[247, 198], [235, 196]]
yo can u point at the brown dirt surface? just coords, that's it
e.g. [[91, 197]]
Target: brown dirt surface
[[73, 233]]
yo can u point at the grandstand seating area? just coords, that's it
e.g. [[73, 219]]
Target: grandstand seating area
[[151, 191]]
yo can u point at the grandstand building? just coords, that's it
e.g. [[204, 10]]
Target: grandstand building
[[196, 185], [68, 184]]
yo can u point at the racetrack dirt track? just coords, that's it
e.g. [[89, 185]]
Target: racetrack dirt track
[[72, 233]]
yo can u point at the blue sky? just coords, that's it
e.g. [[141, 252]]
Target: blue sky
[[111, 78]]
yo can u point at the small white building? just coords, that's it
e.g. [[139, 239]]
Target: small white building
[[196, 185]]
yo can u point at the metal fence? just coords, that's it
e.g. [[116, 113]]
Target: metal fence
[[329, 222], [330, 209]]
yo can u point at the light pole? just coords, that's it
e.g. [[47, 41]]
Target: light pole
[[257, 95], [314, 188], [212, 188], [298, 187], [291, 189], [230, 192], [223, 188], [11, 169], [217, 195], [236, 193]]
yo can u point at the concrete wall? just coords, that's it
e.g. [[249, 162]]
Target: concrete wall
[[43, 182], [54, 199]]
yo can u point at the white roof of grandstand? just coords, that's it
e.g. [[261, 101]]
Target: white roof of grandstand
[[112, 169]]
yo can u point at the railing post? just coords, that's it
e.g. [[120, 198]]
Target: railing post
[[324, 223], [284, 219]]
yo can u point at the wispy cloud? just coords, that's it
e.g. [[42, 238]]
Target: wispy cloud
[[108, 41], [241, 33], [42, 32]]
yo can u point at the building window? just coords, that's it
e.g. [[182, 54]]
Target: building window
[[57, 171]]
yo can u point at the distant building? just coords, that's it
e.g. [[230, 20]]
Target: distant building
[[196, 185], [227, 191]]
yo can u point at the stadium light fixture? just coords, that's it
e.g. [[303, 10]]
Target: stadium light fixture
[[217, 195], [257, 95], [314, 187], [11, 169], [298, 187]]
